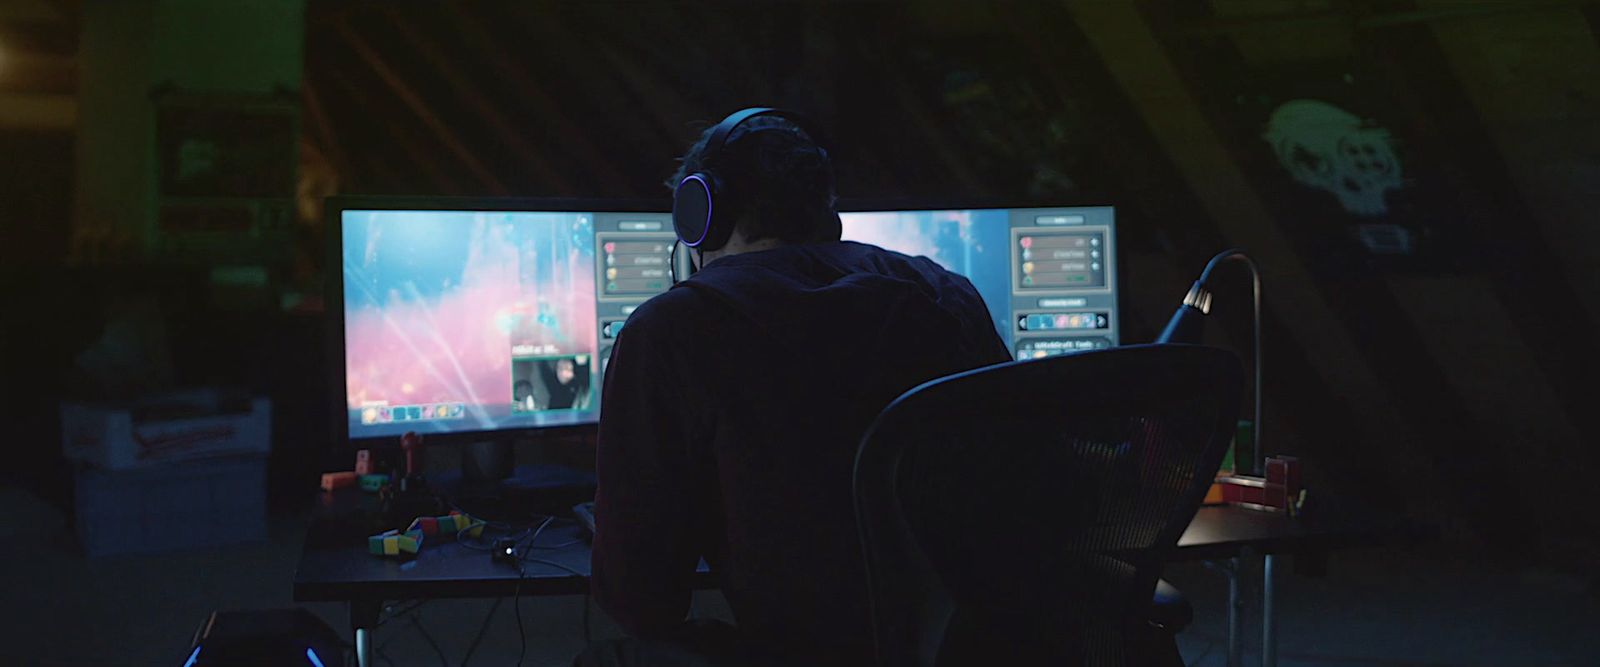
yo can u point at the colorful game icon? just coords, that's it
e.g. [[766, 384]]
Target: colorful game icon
[[369, 416], [427, 412]]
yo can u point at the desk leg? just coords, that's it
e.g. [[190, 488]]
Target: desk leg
[[363, 618], [1269, 627], [1230, 569], [1235, 610]]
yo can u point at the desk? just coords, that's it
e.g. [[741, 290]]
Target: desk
[[335, 566], [1227, 536]]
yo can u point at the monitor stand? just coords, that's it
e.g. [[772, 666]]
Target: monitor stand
[[486, 462], [493, 487]]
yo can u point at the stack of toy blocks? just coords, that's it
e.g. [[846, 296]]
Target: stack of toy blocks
[[1279, 491]]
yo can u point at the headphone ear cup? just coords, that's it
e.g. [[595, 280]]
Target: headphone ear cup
[[692, 208]]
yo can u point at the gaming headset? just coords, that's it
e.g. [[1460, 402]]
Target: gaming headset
[[703, 210]]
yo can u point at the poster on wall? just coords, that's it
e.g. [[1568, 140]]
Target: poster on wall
[[1343, 163], [225, 178]]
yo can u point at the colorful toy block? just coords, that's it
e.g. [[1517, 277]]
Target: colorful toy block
[[337, 480], [374, 483], [407, 543], [448, 526], [395, 543]]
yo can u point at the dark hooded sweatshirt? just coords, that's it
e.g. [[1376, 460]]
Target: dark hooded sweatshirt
[[732, 410]]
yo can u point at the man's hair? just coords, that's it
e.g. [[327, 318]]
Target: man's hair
[[782, 179]]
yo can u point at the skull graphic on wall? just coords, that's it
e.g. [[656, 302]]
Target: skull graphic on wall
[[1325, 147]]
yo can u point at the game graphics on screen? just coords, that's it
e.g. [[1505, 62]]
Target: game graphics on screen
[[463, 321], [1046, 275]]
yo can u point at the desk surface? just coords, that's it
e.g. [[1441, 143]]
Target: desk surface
[[336, 566], [1222, 532]]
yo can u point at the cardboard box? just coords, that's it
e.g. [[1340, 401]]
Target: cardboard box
[[155, 508], [180, 426]]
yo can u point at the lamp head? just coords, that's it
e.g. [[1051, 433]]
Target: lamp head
[[1188, 323]]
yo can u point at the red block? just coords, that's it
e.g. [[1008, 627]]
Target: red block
[[1285, 470], [1274, 496]]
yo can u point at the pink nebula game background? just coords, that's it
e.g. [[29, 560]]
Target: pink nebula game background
[[435, 301]]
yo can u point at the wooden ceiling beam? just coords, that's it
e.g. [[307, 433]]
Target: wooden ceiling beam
[[649, 124], [522, 85], [38, 111], [423, 112], [1366, 21], [327, 137], [504, 128], [424, 162], [36, 73]]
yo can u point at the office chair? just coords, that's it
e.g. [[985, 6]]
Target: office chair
[[1021, 513]]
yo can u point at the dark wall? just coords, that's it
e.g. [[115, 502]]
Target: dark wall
[[1430, 354], [1161, 109]]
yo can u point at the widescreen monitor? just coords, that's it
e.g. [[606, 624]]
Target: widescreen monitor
[[1048, 275], [466, 318]]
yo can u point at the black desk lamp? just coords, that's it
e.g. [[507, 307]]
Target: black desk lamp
[[1188, 323]]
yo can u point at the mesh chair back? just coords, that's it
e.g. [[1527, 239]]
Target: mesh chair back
[[1021, 512]]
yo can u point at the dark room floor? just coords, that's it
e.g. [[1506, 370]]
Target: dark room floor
[[1375, 607]]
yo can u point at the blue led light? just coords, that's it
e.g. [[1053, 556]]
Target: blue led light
[[312, 656], [192, 657]]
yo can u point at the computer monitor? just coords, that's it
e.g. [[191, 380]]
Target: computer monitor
[[1048, 275], [476, 317], [464, 319]]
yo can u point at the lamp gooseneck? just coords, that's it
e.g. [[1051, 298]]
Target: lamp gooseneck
[[1188, 323]]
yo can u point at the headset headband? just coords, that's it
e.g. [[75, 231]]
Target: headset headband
[[695, 217]]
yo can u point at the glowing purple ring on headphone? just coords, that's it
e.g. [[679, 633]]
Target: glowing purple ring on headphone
[[705, 228]]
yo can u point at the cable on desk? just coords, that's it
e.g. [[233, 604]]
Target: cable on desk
[[531, 539], [553, 547], [526, 559], [482, 629], [476, 544]]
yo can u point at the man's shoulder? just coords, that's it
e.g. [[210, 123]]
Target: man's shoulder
[[670, 310], [885, 257]]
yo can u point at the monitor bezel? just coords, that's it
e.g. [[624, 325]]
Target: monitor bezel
[[333, 299], [870, 204]]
